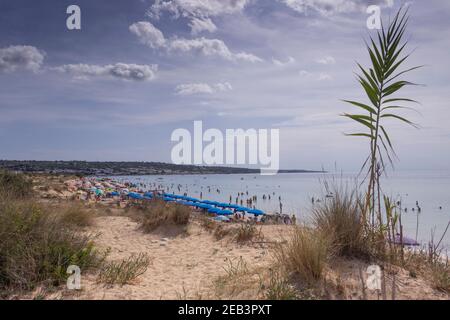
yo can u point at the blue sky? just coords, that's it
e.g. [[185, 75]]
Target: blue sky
[[137, 70]]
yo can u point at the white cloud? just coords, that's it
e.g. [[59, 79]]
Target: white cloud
[[330, 7], [21, 57], [315, 76], [149, 35], [304, 73], [202, 24], [324, 77], [326, 60], [196, 8], [119, 70], [211, 47], [202, 88], [280, 63], [198, 12]]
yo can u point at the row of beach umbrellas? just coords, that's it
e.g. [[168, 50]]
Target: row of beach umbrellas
[[219, 208]]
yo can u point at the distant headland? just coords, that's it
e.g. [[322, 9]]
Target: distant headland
[[125, 168]]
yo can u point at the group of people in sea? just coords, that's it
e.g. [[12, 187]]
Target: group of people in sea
[[99, 189]]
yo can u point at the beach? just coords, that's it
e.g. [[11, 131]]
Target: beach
[[195, 264]]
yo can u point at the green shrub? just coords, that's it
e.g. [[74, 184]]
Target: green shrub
[[36, 247]]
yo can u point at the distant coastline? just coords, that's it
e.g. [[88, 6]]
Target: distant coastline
[[125, 168]]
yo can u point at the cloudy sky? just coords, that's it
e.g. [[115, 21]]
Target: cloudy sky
[[137, 70]]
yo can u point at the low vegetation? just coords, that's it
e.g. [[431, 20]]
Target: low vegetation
[[305, 254], [341, 218], [155, 214], [246, 232], [124, 271], [37, 247], [278, 287], [15, 185], [75, 214]]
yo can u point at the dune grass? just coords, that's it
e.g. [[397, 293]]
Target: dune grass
[[341, 218], [15, 185], [155, 214], [305, 254], [37, 247], [124, 271]]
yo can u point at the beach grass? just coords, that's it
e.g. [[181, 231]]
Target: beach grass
[[305, 254], [124, 271], [155, 214], [341, 218], [37, 247]]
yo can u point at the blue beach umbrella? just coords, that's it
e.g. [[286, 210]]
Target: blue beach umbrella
[[223, 205], [224, 212], [148, 194], [213, 210], [256, 212], [114, 194], [203, 206], [191, 199], [136, 196]]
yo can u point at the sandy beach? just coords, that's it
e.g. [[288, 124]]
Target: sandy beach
[[196, 265]]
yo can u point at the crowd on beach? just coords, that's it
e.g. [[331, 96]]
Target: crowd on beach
[[123, 192]]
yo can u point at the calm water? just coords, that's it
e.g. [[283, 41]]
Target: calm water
[[431, 190]]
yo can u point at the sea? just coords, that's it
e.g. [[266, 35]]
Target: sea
[[429, 191]]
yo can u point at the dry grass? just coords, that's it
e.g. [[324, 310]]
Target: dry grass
[[246, 232], [278, 287], [76, 214], [340, 217], [238, 280], [440, 276], [305, 254], [124, 271], [155, 214], [15, 185]]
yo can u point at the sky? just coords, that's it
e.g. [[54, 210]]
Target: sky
[[137, 70]]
